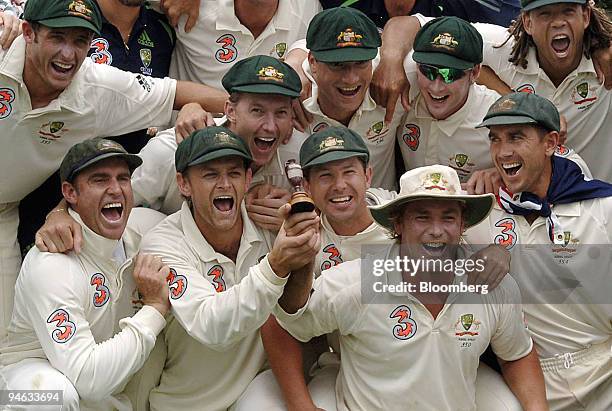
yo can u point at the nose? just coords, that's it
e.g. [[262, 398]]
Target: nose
[[339, 183], [505, 149], [558, 20], [223, 181], [351, 75], [436, 228], [67, 51], [437, 85], [269, 124], [114, 186]]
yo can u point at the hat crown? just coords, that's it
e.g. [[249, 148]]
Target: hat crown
[[436, 179], [523, 108], [64, 13], [262, 75], [332, 139]]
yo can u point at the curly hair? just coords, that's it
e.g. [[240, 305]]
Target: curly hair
[[597, 35]]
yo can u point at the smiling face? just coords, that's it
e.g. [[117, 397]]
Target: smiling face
[[262, 121], [53, 57], [521, 153], [216, 189], [430, 228], [443, 100], [102, 195], [342, 87], [558, 31], [338, 189]]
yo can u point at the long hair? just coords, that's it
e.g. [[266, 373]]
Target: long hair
[[597, 35]]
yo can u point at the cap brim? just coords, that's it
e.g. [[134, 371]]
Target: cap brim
[[225, 152], [333, 156], [133, 161], [69, 21], [441, 60], [341, 55], [503, 120], [478, 207], [266, 89], [540, 3]]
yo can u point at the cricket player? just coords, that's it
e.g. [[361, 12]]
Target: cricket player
[[226, 276], [52, 97], [551, 51], [342, 43], [422, 339], [78, 325], [556, 223]]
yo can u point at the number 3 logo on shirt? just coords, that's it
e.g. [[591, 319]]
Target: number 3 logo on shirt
[[7, 96], [65, 328], [99, 53], [406, 327], [177, 284], [508, 236], [216, 272], [102, 294], [227, 53]]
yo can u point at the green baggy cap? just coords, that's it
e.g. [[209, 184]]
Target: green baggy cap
[[522, 108], [64, 13], [534, 4], [330, 144], [262, 75]]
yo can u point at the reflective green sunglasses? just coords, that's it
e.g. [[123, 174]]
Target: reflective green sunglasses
[[448, 74]]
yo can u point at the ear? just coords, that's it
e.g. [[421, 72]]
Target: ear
[[397, 225], [586, 14], [527, 23], [28, 32], [306, 186], [249, 178], [551, 140], [69, 192], [475, 72], [368, 175], [313, 63], [230, 111], [183, 184]]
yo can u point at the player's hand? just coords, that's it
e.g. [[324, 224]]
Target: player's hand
[[389, 83], [602, 59], [262, 204], [192, 117], [60, 233], [297, 243], [496, 265], [562, 130], [10, 28], [483, 182], [301, 117], [150, 276], [174, 9]]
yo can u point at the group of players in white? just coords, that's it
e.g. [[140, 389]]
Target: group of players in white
[[179, 278]]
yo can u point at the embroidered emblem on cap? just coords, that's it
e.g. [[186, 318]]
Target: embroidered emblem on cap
[[77, 7], [331, 142], [270, 73], [108, 145], [435, 181], [505, 105], [445, 40], [348, 38]]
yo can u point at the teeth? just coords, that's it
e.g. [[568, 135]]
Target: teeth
[[434, 245], [437, 97], [63, 66], [560, 37], [112, 205], [348, 89], [511, 165], [223, 198], [340, 199], [266, 139]]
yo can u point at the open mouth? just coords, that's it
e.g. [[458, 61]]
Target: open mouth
[[560, 44], [434, 247], [349, 91], [62, 67], [341, 200], [223, 203], [112, 212], [438, 99], [264, 143], [512, 169]]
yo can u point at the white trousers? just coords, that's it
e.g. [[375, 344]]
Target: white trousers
[[10, 262]]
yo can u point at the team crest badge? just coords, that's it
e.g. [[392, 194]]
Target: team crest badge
[[145, 57], [377, 132], [280, 49], [467, 325], [348, 38], [7, 96], [461, 159], [444, 40], [467, 320], [270, 73], [583, 89], [582, 96], [78, 8], [331, 142], [411, 136], [56, 126]]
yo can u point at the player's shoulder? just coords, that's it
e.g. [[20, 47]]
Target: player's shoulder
[[43, 271], [161, 147], [142, 220], [166, 235]]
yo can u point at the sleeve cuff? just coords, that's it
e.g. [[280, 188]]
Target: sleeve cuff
[[148, 318], [269, 274], [284, 316]]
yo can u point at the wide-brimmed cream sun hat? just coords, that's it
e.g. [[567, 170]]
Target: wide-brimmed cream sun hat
[[433, 182]]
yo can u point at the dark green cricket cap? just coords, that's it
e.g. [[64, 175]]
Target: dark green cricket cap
[[534, 4], [342, 34], [330, 144], [448, 42], [89, 152], [262, 75], [209, 144], [522, 108], [64, 13]]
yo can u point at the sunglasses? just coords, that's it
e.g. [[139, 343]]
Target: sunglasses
[[448, 74]]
